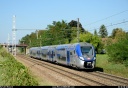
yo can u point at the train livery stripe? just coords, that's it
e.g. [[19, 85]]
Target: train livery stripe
[[78, 51]]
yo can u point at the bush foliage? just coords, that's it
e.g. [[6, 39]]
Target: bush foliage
[[14, 73], [118, 52]]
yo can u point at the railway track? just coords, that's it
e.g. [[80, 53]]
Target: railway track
[[85, 78], [121, 80]]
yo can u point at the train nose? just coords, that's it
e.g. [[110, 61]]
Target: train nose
[[88, 64]]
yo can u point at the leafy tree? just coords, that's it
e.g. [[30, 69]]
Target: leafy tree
[[86, 37], [75, 40], [114, 31], [118, 51], [73, 23], [120, 34], [73, 32], [57, 32], [95, 33], [103, 31]]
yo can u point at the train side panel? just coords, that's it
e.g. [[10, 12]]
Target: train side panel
[[61, 54], [33, 52], [66, 54], [52, 53], [44, 53]]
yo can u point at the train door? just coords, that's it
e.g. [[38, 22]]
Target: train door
[[72, 57], [68, 57], [52, 55], [49, 55]]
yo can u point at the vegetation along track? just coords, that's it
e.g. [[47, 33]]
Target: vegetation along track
[[85, 78]]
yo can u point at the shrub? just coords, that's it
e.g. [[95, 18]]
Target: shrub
[[14, 73], [118, 52], [126, 63], [0, 46]]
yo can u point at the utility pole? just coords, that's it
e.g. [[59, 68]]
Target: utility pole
[[78, 30], [37, 34], [40, 40], [14, 36], [8, 43], [30, 43]]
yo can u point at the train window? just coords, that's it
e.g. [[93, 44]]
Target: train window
[[53, 53], [87, 50], [70, 53]]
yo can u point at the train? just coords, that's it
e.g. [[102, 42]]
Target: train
[[79, 55]]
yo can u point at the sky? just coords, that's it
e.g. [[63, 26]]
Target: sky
[[37, 14]]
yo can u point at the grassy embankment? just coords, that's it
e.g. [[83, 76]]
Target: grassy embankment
[[13, 73], [109, 67]]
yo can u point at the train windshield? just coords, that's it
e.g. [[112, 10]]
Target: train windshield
[[87, 50]]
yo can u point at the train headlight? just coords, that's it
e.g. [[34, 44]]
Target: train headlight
[[81, 58]]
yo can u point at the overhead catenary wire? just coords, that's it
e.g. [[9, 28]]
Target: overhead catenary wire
[[111, 25], [107, 17]]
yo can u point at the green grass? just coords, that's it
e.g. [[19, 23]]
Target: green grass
[[13, 73], [109, 67]]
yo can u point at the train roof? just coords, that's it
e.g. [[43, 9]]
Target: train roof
[[63, 45], [34, 47], [73, 44], [44, 47], [85, 44]]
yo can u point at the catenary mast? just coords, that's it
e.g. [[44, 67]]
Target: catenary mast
[[14, 36]]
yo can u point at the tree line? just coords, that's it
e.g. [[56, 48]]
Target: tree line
[[62, 32]]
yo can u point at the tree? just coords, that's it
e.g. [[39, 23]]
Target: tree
[[73, 23], [118, 33], [118, 51], [95, 33], [57, 31], [114, 32], [103, 31]]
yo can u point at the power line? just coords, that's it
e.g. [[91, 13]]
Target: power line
[[117, 23], [112, 25], [106, 17]]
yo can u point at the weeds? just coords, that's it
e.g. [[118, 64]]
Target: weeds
[[13, 72]]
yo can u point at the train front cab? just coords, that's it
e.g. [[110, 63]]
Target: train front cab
[[86, 56]]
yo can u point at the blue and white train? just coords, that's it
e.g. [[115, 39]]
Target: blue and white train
[[80, 55]]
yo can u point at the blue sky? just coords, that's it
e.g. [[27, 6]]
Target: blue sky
[[37, 14]]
